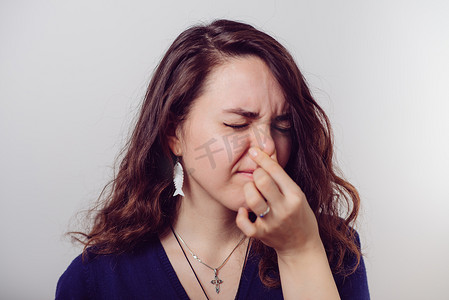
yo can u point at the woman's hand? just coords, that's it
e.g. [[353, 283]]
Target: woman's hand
[[290, 226]]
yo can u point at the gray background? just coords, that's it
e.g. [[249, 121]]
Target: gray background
[[72, 74]]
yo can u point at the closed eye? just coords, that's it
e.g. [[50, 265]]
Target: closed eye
[[282, 129], [236, 126]]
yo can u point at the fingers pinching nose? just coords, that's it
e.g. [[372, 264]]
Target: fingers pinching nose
[[252, 151]]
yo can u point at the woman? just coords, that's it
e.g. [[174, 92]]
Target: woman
[[227, 187]]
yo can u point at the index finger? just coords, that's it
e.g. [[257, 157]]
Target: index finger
[[278, 174]]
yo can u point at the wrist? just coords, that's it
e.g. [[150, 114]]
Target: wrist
[[310, 252], [311, 246]]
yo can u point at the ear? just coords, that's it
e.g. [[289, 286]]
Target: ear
[[174, 141]]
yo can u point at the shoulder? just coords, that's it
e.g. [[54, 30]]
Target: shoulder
[[98, 276], [73, 282]]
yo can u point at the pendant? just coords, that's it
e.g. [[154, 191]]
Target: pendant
[[217, 281]]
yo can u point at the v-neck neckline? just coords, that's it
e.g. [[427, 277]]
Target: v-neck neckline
[[245, 279]]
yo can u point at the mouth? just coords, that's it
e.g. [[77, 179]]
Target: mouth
[[246, 173]]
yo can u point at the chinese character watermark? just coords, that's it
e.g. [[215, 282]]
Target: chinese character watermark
[[232, 143], [209, 153]]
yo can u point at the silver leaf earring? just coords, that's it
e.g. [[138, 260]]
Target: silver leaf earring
[[178, 179]]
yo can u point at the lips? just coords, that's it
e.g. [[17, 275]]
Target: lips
[[248, 172]]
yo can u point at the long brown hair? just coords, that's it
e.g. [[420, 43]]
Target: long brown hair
[[138, 205]]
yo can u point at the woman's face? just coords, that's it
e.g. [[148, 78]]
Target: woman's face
[[242, 106]]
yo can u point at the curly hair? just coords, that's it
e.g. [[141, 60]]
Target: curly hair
[[138, 205]]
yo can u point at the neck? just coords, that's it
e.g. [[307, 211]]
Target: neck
[[208, 228], [215, 224]]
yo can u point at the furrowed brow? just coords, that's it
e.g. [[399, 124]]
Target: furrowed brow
[[242, 112]]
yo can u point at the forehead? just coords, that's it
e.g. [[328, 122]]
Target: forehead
[[243, 82]]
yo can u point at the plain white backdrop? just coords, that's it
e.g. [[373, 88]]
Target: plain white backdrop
[[73, 73]]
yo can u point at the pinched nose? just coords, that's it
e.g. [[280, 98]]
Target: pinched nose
[[262, 138]]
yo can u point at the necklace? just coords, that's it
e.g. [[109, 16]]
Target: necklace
[[216, 281]]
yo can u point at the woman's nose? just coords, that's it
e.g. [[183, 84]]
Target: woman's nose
[[262, 138]]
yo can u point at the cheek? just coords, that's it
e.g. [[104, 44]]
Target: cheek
[[205, 151], [236, 144]]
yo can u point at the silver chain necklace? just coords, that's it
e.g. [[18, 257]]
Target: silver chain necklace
[[216, 281]]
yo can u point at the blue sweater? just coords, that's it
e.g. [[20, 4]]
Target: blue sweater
[[146, 273]]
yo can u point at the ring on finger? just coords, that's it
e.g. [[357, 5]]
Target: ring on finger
[[265, 212]]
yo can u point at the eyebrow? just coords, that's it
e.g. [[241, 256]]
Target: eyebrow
[[253, 115], [242, 112]]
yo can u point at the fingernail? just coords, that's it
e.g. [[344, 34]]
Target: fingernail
[[252, 152]]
